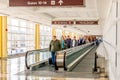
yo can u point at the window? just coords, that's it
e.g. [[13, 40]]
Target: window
[[45, 36], [14, 22], [72, 35], [66, 33], [20, 36], [58, 33]]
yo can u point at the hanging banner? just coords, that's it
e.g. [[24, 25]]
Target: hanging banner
[[46, 2], [62, 22], [75, 22], [87, 22]]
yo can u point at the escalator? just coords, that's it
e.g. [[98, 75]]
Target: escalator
[[69, 59]]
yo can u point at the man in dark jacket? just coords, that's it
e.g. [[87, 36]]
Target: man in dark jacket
[[53, 47], [68, 41], [81, 41]]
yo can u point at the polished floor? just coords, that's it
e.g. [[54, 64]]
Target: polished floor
[[11, 67]]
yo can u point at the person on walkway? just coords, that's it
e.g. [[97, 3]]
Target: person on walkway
[[81, 41], [53, 47], [74, 42], [68, 41], [65, 42], [87, 39], [62, 41]]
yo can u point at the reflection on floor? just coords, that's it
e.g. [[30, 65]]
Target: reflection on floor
[[9, 69]]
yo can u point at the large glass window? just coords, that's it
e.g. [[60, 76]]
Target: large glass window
[[72, 35], [58, 33], [20, 36], [45, 36], [66, 33]]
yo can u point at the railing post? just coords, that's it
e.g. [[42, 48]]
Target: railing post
[[56, 67], [95, 63], [64, 62]]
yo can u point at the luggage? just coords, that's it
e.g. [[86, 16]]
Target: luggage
[[50, 61]]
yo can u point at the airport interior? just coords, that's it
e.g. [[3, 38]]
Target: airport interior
[[59, 40]]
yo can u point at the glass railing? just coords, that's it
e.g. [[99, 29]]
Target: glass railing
[[72, 58], [35, 57], [63, 58]]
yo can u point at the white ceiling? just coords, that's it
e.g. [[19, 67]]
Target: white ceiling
[[46, 14], [84, 29]]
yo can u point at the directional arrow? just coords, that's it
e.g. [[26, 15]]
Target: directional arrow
[[60, 2]]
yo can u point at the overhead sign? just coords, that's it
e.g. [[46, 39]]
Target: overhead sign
[[87, 22], [46, 2], [62, 22], [75, 22]]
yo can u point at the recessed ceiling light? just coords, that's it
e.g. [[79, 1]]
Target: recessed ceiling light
[[65, 26]]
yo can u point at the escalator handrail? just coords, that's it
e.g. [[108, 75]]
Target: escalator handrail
[[81, 46], [42, 50], [70, 49], [28, 53], [26, 63]]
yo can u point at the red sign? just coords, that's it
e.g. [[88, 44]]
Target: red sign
[[46, 2], [75, 22], [87, 22], [62, 22]]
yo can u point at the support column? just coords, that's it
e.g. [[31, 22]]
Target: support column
[[3, 36], [37, 36], [63, 33], [0, 36], [53, 32], [70, 34], [74, 34], [77, 36], [37, 41]]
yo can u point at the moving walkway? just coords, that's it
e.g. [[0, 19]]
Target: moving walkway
[[67, 59], [34, 58]]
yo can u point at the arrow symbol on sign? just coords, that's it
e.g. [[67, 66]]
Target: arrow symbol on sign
[[60, 2]]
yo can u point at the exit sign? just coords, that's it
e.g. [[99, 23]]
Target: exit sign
[[13, 3]]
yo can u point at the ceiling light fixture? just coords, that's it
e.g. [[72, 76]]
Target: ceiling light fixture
[[64, 26]]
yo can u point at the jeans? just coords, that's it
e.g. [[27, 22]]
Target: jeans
[[53, 57]]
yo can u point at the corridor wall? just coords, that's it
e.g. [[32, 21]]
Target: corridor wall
[[111, 40]]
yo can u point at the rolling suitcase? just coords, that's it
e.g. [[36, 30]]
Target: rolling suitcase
[[50, 60]]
